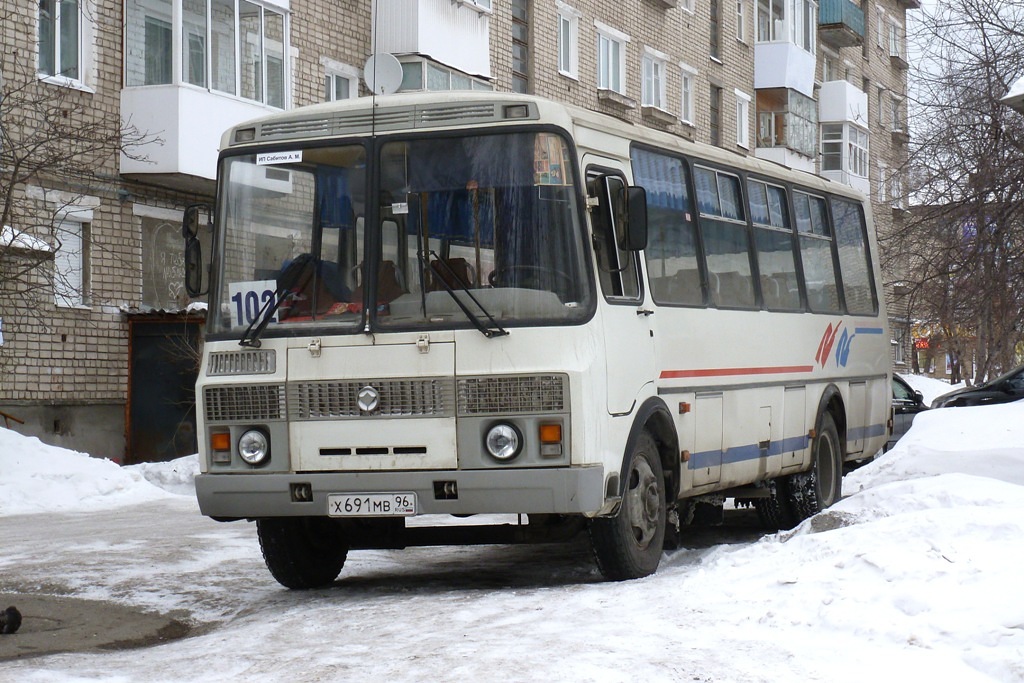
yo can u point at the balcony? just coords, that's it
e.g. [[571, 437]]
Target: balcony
[[841, 102], [456, 34], [783, 64], [189, 122], [909, 4], [840, 23]]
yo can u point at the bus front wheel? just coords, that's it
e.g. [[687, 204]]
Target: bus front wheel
[[629, 545], [302, 552]]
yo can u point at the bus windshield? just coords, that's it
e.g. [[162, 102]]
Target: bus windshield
[[462, 228]]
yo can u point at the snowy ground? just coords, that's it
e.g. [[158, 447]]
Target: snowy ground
[[914, 576]]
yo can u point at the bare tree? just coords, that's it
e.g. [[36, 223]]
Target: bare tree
[[56, 147], [961, 252]]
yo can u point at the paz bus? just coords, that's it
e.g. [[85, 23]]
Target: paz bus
[[425, 307]]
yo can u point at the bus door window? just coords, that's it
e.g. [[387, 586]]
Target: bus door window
[[617, 267], [726, 238], [854, 259], [673, 256]]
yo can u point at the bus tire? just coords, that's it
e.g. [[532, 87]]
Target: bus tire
[[302, 552], [773, 510], [629, 545], [811, 492]]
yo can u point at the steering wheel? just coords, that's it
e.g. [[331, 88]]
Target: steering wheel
[[499, 276]]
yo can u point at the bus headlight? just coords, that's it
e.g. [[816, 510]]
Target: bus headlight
[[503, 441], [254, 447]]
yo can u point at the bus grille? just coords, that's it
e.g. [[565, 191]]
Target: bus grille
[[257, 362], [420, 397], [245, 403], [512, 394]]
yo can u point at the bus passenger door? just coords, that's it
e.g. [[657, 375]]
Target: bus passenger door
[[629, 344]]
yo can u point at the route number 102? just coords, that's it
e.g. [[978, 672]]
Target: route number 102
[[249, 298]]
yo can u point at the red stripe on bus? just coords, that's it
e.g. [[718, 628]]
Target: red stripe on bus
[[731, 372]]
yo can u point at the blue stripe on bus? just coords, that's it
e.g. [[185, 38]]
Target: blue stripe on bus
[[868, 330], [736, 454]]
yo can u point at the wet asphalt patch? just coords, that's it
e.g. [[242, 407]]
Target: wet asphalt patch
[[54, 624]]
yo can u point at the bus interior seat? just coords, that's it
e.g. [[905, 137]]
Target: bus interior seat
[[455, 272], [390, 284]]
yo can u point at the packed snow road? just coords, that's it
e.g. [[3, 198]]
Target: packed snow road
[[914, 575]]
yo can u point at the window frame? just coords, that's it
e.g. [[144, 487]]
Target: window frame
[[84, 33], [653, 79], [687, 103], [611, 68], [568, 38], [743, 102], [70, 286], [333, 71]]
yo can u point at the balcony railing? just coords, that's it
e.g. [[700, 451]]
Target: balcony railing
[[840, 23]]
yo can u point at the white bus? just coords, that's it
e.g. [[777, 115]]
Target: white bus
[[426, 307]]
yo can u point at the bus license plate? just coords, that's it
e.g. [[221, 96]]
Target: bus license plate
[[371, 504]]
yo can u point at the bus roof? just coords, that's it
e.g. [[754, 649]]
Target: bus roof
[[436, 111]]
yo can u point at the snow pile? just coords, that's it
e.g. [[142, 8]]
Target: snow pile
[[36, 477], [930, 387]]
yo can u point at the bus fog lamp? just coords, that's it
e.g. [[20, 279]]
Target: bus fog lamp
[[503, 441], [254, 447]]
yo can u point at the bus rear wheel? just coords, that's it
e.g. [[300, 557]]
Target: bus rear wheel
[[820, 487], [629, 545], [302, 552]]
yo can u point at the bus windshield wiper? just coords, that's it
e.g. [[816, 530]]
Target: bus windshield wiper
[[285, 283], [438, 265]]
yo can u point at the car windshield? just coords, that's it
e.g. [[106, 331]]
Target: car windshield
[[462, 229]]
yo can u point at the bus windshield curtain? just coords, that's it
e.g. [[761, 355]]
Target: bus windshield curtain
[[334, 202]]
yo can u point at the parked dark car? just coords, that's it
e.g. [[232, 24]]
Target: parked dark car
[[906, 403], [1004, 389]]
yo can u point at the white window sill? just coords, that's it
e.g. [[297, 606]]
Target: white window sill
[[66, 82], [568, 75]]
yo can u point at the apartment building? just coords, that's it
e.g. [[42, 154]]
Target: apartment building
[[105, 362]]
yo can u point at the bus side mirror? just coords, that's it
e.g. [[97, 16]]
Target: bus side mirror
[[190, 225], [636, 225]]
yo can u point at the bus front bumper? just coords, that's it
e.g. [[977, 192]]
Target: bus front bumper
[[252, 495]]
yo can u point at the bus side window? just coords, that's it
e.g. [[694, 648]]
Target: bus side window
[[617, 269]]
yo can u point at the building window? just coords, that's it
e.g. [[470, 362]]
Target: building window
[[883, 181], [715, 115], [611, 59], [895, 117], [70, 263], [340, 82], [653, 89], [899, 344], [715, 45], [689, 75], [61, 24], [520, 46], [742, 119], [844, 147], [741, 20], [238, 49], [895, 36], [794, 21], [568, 38], [424, 75]]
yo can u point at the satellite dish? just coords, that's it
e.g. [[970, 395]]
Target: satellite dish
[[382, 73]]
